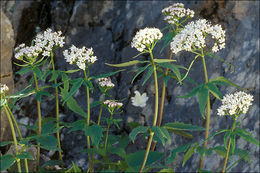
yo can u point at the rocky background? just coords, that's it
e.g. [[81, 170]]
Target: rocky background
[[108, 27]]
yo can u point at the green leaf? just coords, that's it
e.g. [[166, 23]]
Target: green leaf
[[24, 71], [161, 133], [174, 152], [48, 142], [214, 90], [220, 150], [192, 93], [202, 97], [140, 71], [137, 130], [118, 151], [174, 69], [233, 143], [214, 56], [148, 75], [223, 79], [95, 132], [6, 161], [39, 95], [51, 163], [188, 155], [126, 64], [163, 60], [73, 169], [182, 126], [4, 143], [204, 171], [77, 125], [167, 170], [107, 74], [94, 104], [135, 160], [99, 151], [25, 155], [246, 136], [76, 84], [243, 154], [38, 72], [71, 71], [168, 38], [89, 84], [226, 136], [55, 75], [181, 133]]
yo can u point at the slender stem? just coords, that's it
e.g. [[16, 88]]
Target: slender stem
[[155, 114], [162, 102], [20, 135], [87, 121], [208, 111], [228, 148], [39, 120], [14, 137], [101, 108], [57, 111], [108, 126]]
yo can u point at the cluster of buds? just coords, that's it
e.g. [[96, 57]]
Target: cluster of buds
[[112, 105], [175, 12], [235, 104], [194, 34], [43, 43], [105, 83], [80, 56], [3, 88], [144, 38]]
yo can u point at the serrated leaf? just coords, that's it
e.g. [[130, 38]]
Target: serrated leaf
[[73, 169], [243, 154], [163, 60], [107, 74], [51, 163], [118, 151], [126, 64], [220, 150], [181, 133], [6, 161], [246, 136], [226, 136], [202, 97], [25, 155], [39, 95], [148, 75], [167, 170], [214, 90], [137, 130], [188, 155], [76, 84], [233, 143], [182, 126], [48, 142], [38, 72], [223, 79], [55, 75], [71, 71], [4, 143], [192, 93], [77, 125], [175, 151], [95, 132], [161, 133], [140, 71], [89, 84], [173, 68], [24, 71], [167, 37]]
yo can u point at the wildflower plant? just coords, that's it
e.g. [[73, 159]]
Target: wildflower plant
[[101, 141]]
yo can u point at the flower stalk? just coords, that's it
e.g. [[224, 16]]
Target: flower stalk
[[155, 113], [101, 108], [108, 126], [228, 147]]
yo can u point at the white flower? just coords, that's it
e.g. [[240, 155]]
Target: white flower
[[105, 83], [139, 100], [235, 104], [3, 88], [113, 104], [144, 38], [175, 12], [80, 56], [48, 40], [193, 36], [27, 52]]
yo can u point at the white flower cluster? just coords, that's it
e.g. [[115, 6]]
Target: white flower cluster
[[175, 12], [139, 100], [80, 56], [113, 104], [145, 37], [235, 104], [105, 82], [3, 88], [194, 35], [48, 40], [43, 43]]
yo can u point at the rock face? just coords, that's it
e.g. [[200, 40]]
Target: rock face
[[6, 72], [109, 26]]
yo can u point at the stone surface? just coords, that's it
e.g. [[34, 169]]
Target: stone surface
[[108, 27]]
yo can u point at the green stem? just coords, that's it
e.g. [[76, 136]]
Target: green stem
[[87, 121], [57, 111], [39, 120], [14, 137], [155, 114], [101, 108], [228, 148], [208, 110], [162, 101], [20, 135], [108, 126]]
